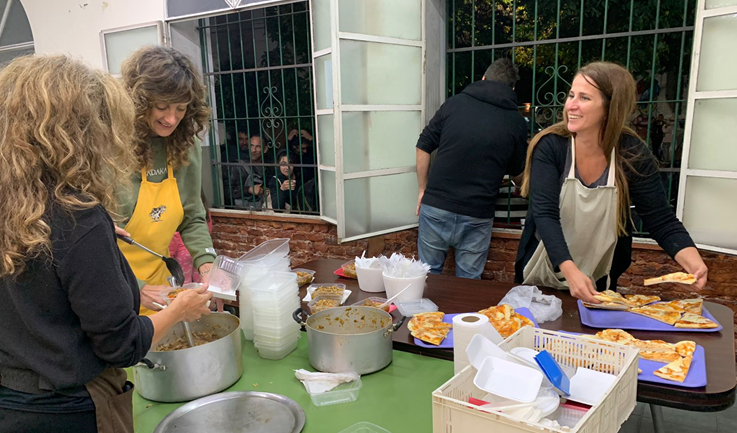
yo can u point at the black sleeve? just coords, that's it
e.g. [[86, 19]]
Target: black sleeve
[[517, 162], [548, 163], [102, 297], [430, 136], [648, 195], [277, 196]]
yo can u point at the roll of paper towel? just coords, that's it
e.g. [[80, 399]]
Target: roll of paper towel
[[465, 326]]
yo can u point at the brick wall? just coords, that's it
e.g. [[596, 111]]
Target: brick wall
[[234, 233]]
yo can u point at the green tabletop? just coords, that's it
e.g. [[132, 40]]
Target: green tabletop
[[397, 398]]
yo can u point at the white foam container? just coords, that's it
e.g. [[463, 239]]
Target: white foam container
[[508, 379], [481, 348]]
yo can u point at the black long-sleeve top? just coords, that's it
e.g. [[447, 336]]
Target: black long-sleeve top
[[69, 317], [480, 136], [646, 194]]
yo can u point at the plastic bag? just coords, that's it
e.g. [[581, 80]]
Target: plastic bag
[[545, 308]]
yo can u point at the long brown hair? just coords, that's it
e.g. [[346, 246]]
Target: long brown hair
[[617, 88], [157, 74], [65, 140]]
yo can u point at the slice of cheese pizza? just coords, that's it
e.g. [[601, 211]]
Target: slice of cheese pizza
[[640, 300], [676, 370], [666, 316], [685, 348], [695, 321], [676, 277]]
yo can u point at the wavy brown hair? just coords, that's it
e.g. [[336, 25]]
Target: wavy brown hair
[[617, 88], [65, 142], [157, 74]]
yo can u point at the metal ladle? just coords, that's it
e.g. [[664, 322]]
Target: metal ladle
[[171, 264]]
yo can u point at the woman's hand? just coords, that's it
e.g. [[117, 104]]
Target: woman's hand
[[150, 294], [192, 304], [288, 184], [580, 284], [121, 232], [691, 261], [204, 272]]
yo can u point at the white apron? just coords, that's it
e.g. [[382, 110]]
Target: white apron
[[588, 217]]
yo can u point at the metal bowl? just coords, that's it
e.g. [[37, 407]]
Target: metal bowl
[[236, 412]]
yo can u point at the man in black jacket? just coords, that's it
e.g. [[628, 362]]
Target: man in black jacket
[[479, 136]]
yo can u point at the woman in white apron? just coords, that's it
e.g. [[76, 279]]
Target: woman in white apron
[[582, 175]]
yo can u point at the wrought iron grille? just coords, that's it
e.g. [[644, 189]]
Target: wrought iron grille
[[550, 40], [259, 69]]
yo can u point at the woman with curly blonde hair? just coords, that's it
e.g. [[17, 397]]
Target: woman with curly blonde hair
[[164, 198], [68, 299]]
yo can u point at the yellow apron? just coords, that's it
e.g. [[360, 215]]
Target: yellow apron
[[156, 217]]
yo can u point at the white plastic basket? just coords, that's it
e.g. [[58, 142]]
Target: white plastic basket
[[452, 413]]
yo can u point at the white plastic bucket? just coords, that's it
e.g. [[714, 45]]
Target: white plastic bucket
[[395, 285]]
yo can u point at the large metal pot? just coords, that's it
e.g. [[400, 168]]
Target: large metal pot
[[349, 339], [187, 374]]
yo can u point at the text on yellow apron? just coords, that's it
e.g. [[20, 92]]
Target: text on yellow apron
[[588, 217], [156, 217]]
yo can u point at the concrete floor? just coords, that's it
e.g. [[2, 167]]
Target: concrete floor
[[681, 421]]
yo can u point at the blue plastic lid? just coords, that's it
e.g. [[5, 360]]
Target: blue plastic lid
[[553, 372]]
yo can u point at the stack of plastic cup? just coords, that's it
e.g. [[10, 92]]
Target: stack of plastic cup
[[274, 298], [267, 258]]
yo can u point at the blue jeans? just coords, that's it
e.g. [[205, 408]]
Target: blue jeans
[[469, 237]]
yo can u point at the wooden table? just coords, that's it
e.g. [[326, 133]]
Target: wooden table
[[458, 295]]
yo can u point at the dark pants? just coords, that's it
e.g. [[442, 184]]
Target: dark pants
[[16, 421]]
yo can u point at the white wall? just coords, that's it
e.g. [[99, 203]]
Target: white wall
[[73, 26]]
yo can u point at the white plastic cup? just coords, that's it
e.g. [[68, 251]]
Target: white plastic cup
[[394, 285], [370, 279]]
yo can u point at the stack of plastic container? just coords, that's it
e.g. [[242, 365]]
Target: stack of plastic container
[[267, 258], [274, 298]]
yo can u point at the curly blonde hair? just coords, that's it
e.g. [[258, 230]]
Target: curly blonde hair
[[65, 141], [157, 74]]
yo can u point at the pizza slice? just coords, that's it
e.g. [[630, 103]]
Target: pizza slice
[[689, 305], [431, 335], [607, 306], [676, 277], [664, 306], [666, 316], [498, 312], [615, 336], [640, 300], [652, 345], [611, 296], [424, 319], [676, 370], [665, 357], [695, 321], [685, 348]]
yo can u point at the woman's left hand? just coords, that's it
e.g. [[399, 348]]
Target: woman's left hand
[[692, 262], [204, 271]]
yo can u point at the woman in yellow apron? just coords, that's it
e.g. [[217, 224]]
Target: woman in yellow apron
[[582, 175], [165, 193], [68, 299]]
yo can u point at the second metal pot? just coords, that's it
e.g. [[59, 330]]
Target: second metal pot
[[187, 374], [349, 339]]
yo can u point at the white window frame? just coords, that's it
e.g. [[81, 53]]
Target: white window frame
[[693, 95], [162, 39], [339, 108], [3, 20]]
